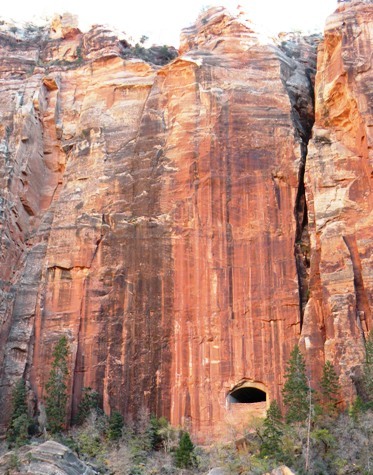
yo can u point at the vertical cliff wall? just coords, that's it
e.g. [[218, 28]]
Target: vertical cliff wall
[[339, 196], [168, 221]]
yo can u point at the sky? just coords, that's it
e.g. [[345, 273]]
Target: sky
[[162, 20]]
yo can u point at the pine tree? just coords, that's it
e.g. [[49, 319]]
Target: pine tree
[[273, 431], [115, 426], [56, 387], [19, 421], [19, 399], [368, 369], [296, 390], [330, 387], [157, 428], [184, 453], [89, 402]]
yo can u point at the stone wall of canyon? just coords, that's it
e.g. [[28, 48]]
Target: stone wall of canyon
[[339, 196], [178, 223]]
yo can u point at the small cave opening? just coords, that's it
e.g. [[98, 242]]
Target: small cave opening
[[246, 395]]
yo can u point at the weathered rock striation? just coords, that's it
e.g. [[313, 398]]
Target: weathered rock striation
[[339, 196], [168, 220], [49, 458]]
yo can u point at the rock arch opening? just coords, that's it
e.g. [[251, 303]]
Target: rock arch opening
[[246, 400], [247, 395]]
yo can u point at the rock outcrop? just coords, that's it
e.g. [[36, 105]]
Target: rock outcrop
[[168, 221], [49, 458]]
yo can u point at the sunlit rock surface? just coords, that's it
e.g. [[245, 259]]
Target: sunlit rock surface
[[157, 215], [339, 195]]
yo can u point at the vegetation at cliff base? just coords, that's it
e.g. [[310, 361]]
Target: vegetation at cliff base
[[56, 387], [273, 430], [184, 453], [90, 402], [115, 426], [148, 445], [18, 432], [311, 433], [368, 371], [295, 391], [330, 387]]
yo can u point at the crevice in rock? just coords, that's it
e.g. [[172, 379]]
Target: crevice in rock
[[298, 57], [302, 238], [363, 312], [99, 240], [78, 361]]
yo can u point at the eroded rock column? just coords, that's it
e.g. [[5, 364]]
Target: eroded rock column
[[339, 194]]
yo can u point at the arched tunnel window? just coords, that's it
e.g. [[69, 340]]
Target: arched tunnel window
[[247, 395]]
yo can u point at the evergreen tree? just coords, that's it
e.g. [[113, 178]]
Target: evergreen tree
[[356, 408], [19, 421], [157, 429], [272, 433], [89, 402], [330, 387], [116, 424], [368, 369], [143, 434], [296, 391], [184, 453], [56, 387], [19, 399]]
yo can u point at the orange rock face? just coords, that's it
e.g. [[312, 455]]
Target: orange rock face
[[157, 217], [339, 196]]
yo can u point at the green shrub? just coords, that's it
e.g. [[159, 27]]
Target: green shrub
[[368, 371], [356, 408], [116, 424], [14, 462], [89, 402], [158, 431], [89, 444]]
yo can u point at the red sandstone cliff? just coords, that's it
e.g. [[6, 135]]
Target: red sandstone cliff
[[339, 196], [159, 216]]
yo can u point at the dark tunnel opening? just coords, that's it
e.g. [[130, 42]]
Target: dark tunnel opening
[[247, 396]]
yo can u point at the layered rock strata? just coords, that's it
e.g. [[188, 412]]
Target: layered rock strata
[[168, 221]]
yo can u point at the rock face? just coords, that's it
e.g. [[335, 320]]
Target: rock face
[[49, 458], [339, 196], [167, 219]]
